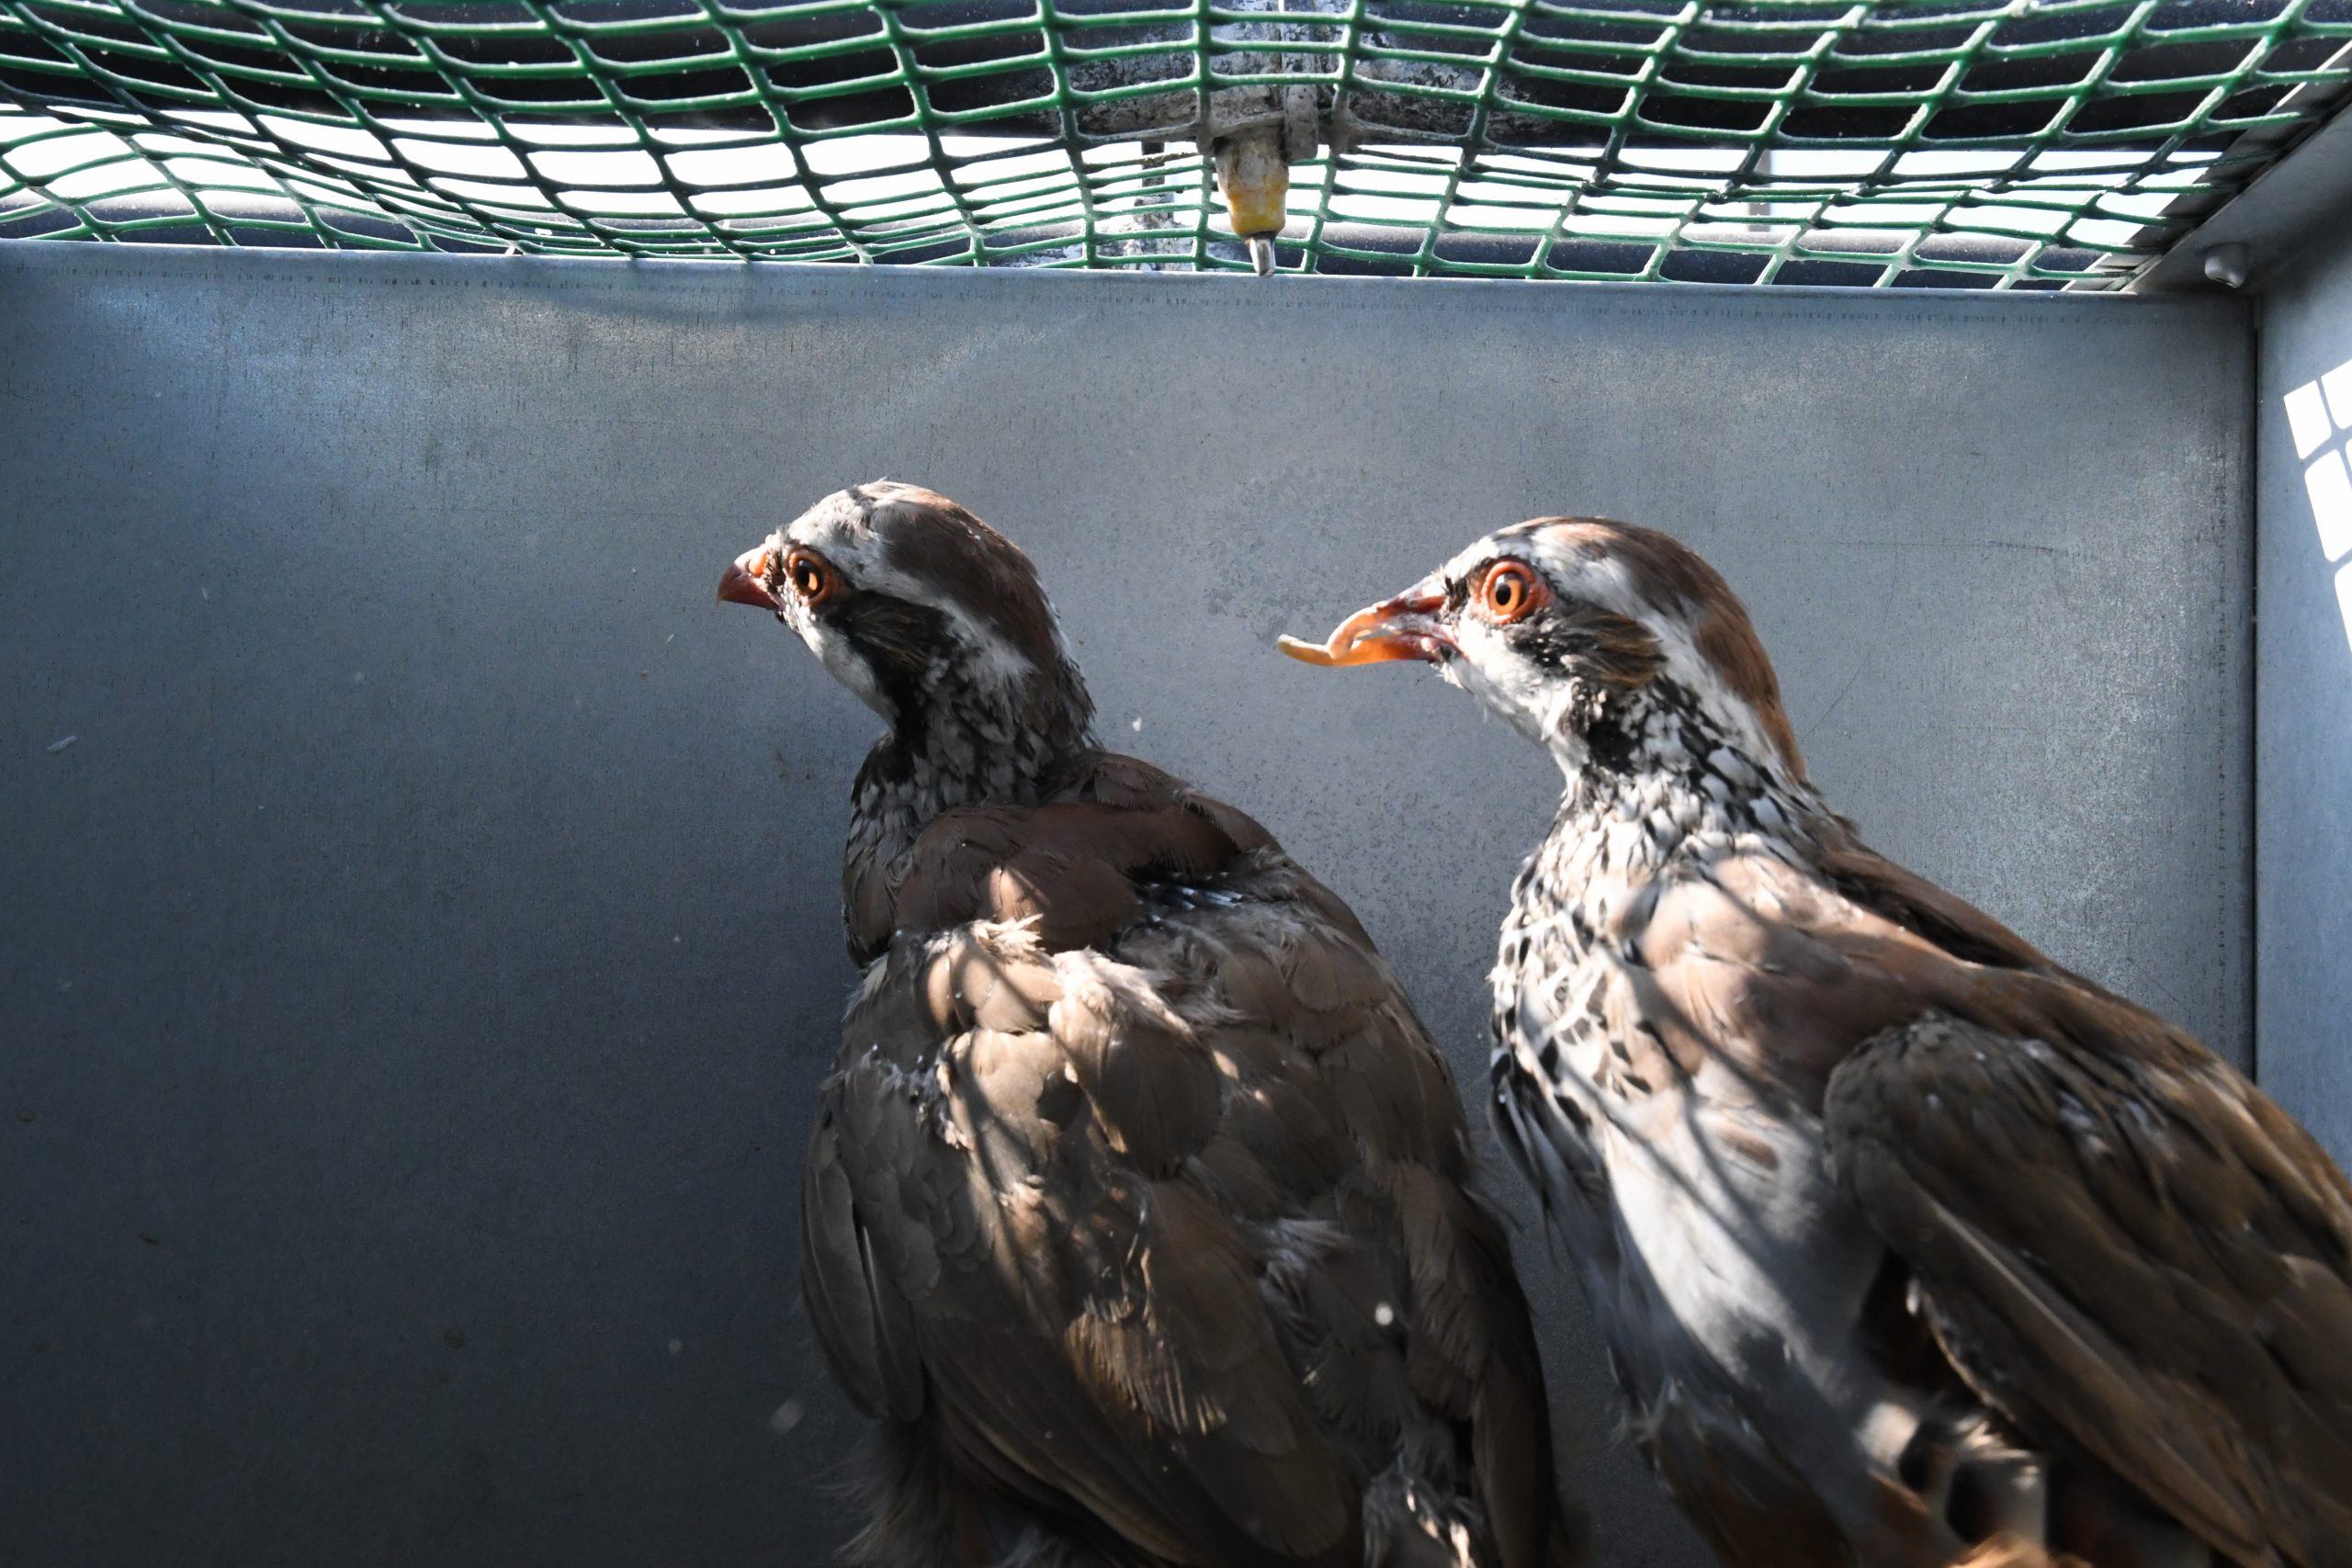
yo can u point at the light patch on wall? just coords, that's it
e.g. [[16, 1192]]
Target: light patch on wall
[[2337, 384], [2307, 419], [2316, 410], [2330, 486]]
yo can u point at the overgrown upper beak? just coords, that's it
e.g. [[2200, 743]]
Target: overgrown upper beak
[[1404, 628], [745, 581]]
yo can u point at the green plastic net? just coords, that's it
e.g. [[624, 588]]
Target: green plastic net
[[2065, 143]]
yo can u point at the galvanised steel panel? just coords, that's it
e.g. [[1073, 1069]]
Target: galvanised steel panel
[[415, 972]]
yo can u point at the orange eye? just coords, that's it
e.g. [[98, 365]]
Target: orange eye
[[812, 577], [1510, 590]]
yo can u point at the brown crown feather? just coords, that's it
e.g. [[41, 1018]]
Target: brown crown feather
[[1676, 582], [985, 573]]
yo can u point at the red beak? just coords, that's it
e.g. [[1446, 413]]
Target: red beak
[[1403, 628], [746, 580]]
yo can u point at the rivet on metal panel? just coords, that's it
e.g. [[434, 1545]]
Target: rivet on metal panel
[[2225, 264]]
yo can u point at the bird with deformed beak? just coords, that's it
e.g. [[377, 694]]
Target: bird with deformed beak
[[1911, 1247]]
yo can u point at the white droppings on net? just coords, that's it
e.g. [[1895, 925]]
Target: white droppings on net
[[788, 1415], [57, 746]]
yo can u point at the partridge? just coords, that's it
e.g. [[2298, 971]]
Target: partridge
[[1138, 1217], [1910, 1246]]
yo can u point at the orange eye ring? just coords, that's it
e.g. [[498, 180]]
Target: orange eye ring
[[812, 577], [1510, 590]]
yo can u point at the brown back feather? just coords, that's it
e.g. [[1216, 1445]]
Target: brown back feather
[[2140, 1258], [1072, 865], [1094, 1272]]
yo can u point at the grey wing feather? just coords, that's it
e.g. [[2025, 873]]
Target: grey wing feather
[[863, 1324]]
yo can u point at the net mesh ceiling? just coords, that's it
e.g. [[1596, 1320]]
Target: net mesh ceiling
[[2065, 143]]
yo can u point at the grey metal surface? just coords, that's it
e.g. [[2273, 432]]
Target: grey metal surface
[[2303, 720], [414, 973], [2302, 199]]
